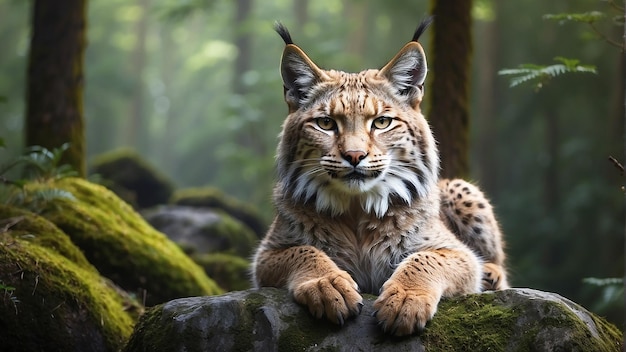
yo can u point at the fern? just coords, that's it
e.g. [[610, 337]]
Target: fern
[[41, 163], [9, 293], [611, 294], [38, 200], [586, 17], [541, 75], [38, 165]]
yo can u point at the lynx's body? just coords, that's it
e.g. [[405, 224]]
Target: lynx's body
[[359, 207]]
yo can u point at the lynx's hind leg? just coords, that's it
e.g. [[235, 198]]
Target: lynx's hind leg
[[469, 215]]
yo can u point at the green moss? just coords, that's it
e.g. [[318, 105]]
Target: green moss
[[469, 323], [211, 197], [123, 247], [149, 338], [132, 178], [232, 273], [608, 332], [238, 237], [303, 332], [481, 322], [38, 230], [56, 304]]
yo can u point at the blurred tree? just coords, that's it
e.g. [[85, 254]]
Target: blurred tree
[[54, 113], [449, 97], [485, 96], [137, 126]]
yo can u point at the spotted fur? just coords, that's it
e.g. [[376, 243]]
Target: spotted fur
[[358, 201]]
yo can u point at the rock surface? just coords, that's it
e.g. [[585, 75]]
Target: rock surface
[[269, 320], [121, 245], [202, 230]]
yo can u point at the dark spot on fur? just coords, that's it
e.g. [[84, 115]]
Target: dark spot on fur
[[481, 205], [459, 196], [478, 219], [477, 230], [467, 204]]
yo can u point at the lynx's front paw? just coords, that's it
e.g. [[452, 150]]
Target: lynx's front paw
[[401, 310], [334, 295], [494, 277]]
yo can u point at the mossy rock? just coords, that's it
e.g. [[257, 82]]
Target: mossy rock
[[122, 246], [268, 319], [211, 197], [132, 178], [231, 272], [202, 230], [40, 231], [50, 303]]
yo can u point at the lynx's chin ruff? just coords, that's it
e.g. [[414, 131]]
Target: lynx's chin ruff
[[358, 204]]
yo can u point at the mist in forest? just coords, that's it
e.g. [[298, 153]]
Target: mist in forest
[[194, 87]]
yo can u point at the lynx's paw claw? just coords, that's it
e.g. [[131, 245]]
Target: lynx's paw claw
[[334, 295], [494, 277], [402, 312]]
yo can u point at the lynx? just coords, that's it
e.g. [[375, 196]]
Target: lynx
[[359, 204]]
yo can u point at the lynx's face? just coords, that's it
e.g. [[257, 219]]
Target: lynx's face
[[356, 138]]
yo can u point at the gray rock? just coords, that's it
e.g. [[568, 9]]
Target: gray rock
[[269, 320], [202, 230]]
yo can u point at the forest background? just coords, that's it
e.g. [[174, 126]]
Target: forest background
[[194, 87]]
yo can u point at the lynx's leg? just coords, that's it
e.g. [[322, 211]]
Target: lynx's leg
[[469, 215], [409, 299], [312, 278]]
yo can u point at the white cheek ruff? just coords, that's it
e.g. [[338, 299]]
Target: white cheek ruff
[[373, 195]]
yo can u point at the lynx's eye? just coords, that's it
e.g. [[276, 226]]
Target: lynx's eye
[[382, 122], [326, 123]]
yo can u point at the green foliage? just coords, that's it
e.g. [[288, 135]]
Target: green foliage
[[540, 75], [611, 293], [586, 17], [38, 165], [41, 164], [8, 293]]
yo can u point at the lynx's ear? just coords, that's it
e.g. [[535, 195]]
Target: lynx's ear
[[407, 71], [299, 73]]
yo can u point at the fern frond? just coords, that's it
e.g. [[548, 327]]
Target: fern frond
[[585, 17], [540, 75], [608, 281]]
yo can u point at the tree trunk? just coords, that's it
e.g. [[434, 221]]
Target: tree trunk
[[486, 98], [54, 111], [247, 136], [243, 42], [301, 13], [449, 98], [136, 132]]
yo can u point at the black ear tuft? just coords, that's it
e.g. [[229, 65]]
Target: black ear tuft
[[283, 32], [421, 28]]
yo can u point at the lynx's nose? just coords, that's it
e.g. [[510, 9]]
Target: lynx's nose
[[354, 157]]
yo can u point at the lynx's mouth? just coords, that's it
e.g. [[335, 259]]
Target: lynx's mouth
[[356, 176]]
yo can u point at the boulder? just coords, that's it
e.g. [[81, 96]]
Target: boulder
[[202, 230], [52, 299], [268, 320], [231, 272], [122, 245], [132, 178], [211, 197]]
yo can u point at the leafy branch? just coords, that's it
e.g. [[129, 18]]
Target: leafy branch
[[540, 75], [590, 19]]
